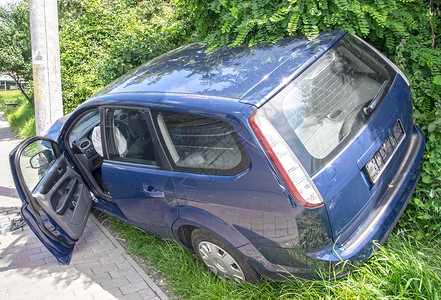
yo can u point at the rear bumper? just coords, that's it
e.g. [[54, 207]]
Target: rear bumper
[[377, 227]]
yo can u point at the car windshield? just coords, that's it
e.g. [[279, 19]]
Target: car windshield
[[84, 126]]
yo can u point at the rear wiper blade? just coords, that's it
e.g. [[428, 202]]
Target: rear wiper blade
[[374, 102]]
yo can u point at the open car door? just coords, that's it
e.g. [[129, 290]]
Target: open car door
[[56, 203]]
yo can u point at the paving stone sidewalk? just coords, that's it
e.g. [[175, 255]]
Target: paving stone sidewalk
[[100, 268]]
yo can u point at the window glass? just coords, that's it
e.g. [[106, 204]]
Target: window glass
[[328, 104], [35, 160], [84, 127], [200, 144], [128, 137]]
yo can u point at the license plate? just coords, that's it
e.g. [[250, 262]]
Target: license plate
[[378, 163]]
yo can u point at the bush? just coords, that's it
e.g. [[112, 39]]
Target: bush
[[99, 40]]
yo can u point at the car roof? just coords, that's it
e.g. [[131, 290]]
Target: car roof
[[244, 74]]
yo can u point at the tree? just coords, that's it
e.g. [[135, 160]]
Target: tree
[[15, 44]]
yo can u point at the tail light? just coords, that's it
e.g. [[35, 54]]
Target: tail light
[[290, 170]]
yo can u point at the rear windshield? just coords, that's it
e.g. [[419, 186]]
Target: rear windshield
[[324, 107]]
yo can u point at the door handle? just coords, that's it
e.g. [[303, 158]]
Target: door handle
[[151, 192], [64, 200]]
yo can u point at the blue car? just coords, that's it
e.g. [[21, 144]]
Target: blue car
[[292, 158]]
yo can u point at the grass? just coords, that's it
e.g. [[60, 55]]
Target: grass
[[404, 268], [21, 116]]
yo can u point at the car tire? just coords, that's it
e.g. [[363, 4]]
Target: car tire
[[220, 259]]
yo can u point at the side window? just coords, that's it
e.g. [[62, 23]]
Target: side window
[[200, 144], [128, 137], [35, 161]]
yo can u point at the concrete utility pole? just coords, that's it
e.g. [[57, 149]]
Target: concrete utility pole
[[43, 15]]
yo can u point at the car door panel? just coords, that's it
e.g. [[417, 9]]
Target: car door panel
[[145, 196], [56, 202], [64, 198]]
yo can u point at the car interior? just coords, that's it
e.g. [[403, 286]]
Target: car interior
[[199, 142], [127, 138]]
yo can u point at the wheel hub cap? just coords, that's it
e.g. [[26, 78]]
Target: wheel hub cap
[[220, 262]]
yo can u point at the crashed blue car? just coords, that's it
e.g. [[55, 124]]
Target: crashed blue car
[[292, 158]]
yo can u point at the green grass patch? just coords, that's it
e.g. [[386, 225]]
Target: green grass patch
[[401, 269], [20, 116]]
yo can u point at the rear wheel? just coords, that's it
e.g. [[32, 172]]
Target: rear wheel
[[220, 259]]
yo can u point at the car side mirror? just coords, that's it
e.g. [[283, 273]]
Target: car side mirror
[[41, 159]]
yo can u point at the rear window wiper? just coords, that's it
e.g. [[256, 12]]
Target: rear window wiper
[[376, 100]]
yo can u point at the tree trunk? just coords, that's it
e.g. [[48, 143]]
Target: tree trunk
[[17, 81]]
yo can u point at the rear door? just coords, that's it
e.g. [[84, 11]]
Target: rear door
[[56, 203]]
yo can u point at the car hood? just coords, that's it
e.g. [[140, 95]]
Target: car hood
[[247, 74], [54, 130]]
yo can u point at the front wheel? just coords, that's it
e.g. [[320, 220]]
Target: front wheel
[[220, 259]]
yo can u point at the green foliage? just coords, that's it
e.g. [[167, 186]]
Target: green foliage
[[422, 63], [20, 116], [163, 27], [99, 40], [15, 48], [425, 209], [265, 21], [15, 42]]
